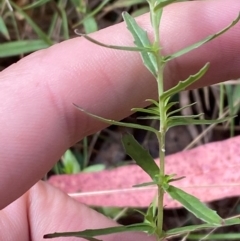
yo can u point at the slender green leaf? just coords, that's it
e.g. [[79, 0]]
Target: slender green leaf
[[176, 179], [54, 19], [140, 155], [219, 236], [166, 100], [34, 26], [200, 43], [235, 98], [152, 111], [14, 48], [148, 118], [117, 123], [169, 105], [141, 40], [145, 184], [89, 238], [182, 85], [230, 221], [154, 108], [64, 22], [36, 4], [192, 228], [194, 205], [182, 108], [89, 233], [187, 120], [163, 4], [151, 216], [188, 229], [136, 49], [3, 29], [154, 102]]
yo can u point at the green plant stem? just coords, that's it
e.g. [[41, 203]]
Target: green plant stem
[[155, 25], [160, 213], [155, 18], [161, 140]]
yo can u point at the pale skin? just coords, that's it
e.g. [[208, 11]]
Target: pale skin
[[39, 122]]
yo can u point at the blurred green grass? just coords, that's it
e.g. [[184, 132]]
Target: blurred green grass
[[29, 26]]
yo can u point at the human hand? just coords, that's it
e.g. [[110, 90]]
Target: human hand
[[39, 121]]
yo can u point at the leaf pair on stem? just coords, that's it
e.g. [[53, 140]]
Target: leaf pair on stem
[[155, 62]]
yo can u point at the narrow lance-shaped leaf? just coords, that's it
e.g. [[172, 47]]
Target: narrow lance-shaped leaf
[[64, 22], [90, 233], [136, 49], [169, 105], [154, 102], [192, 228], [117, 123], [166, 100], [188, 229], [236, 99], [188, 120], [179, 118], [150, 216], [194, 205], [149, 111], [182, 108], [200, 43], [141, 40], [57, 235], [140, 155], [218, 236], [148, 118], [145, 184], [182, 85], [14, 48]]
